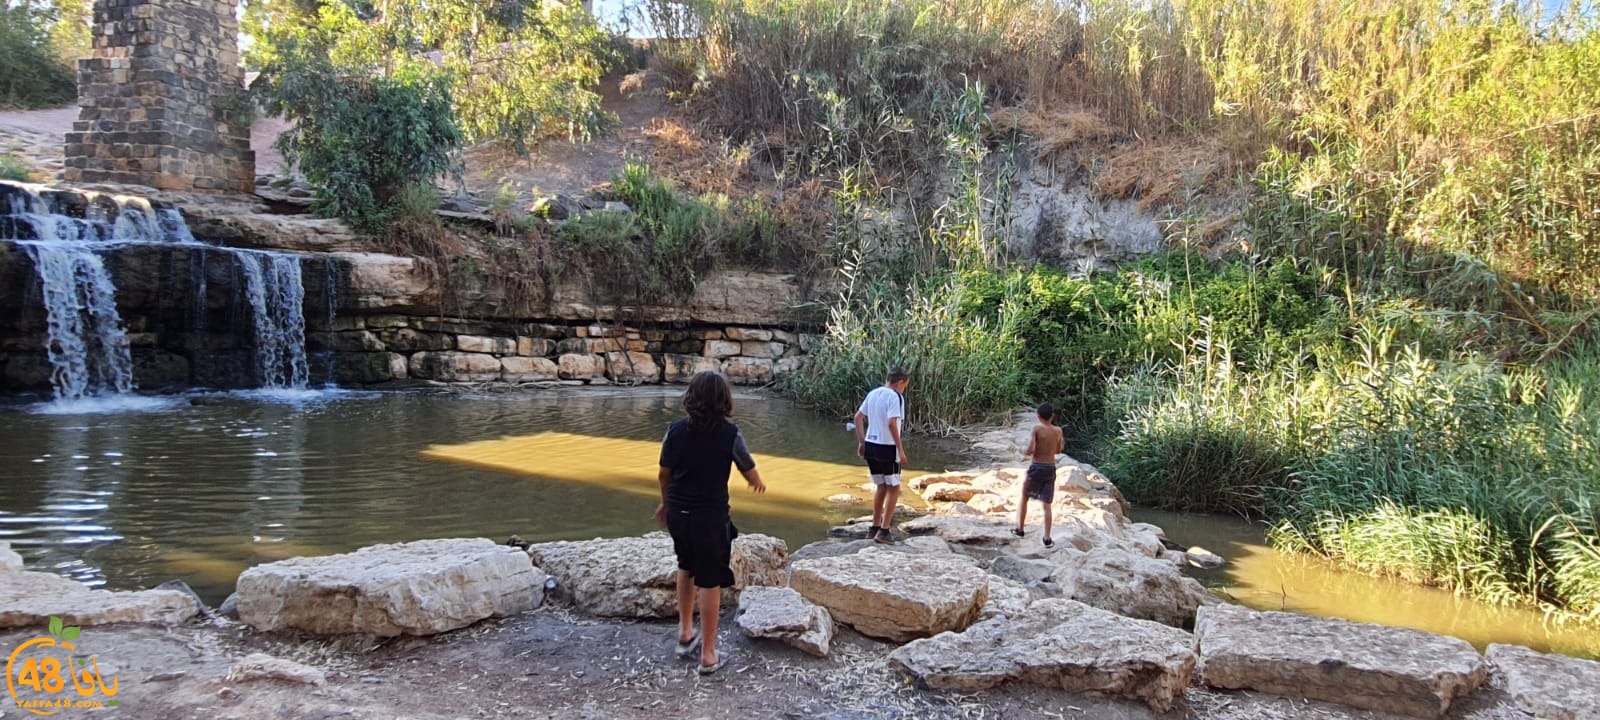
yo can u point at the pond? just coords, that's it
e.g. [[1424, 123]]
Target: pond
[[200, 487]]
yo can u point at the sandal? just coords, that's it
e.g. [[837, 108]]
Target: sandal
[[685, 649], [713, 667], [1017, 532]]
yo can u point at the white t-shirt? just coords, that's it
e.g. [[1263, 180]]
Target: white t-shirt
[[880, 405]]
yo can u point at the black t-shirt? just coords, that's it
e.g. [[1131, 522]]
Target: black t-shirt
[[701, 464]]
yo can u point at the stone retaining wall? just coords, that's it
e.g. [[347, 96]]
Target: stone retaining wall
[[386, 348]]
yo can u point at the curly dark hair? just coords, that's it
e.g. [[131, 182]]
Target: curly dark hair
[[709, 401]]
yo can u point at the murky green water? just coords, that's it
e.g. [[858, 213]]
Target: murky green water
[[206, 486], [201, 487], [1265, 579]]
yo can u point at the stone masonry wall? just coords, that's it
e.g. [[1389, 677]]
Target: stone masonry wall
[[377, 349], [154, 99]]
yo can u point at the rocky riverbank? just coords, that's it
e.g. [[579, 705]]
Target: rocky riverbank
[[960, 618]]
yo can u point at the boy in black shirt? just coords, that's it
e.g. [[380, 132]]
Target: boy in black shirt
[[695, 458]]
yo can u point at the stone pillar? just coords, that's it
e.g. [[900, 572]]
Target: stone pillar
[[158, 99]]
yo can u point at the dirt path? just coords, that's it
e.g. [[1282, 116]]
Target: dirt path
[[551, 664], [555, 167]]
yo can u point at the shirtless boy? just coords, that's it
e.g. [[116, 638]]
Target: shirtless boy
[[1043, 444]]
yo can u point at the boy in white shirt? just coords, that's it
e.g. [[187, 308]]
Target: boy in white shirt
[[878, 442]]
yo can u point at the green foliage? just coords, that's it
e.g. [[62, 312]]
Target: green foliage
[[13, 167], [31, 74], [361, 132], [519, 72]]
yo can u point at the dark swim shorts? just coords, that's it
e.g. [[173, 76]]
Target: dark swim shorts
[[1041, 482], [703, 542]]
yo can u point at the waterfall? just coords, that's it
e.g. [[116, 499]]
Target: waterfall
[[65, 233], [273, 285]]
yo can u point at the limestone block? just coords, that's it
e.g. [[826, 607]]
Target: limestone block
[[782, 614], [750, 334], [680, 369], [762, 349], [632, 367], [491, 345], [534, 347], [1372, 667], [747, 371], [1058, 644], [1006, 598], [580, 367], [989, 503], [963, 530], [636, 577], [407, 340], [722, 348], [517, 369], [416, 588], [949, 492], [894, 595], [788, 365], [29, 599], [1552, 687], [449, 366], [1130, 584], [785, 337]]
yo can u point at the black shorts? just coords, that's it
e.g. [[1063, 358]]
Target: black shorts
[[703, 542], [1041, 482], [882, 459]]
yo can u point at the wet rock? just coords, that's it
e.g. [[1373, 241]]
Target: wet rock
[[894, 595], [29, 599], [416, 588], [1552, 687], [1203, 558], [1372, 667], [637, 576], [844, 499], [1133, 585], [782, 614], [260, 666], [1058, 644]]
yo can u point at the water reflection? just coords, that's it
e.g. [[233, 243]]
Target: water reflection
[[1263, 578], [213, 483]]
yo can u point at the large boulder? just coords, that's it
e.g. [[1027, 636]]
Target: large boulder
[[1058, 644], [1372, 667], [636, 577], [416, 588], [29, 599], [894, 595], [1127, 583], [782, 614], [1552, 687]]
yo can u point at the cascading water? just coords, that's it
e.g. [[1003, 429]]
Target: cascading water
[[273, 285], [65, 235]]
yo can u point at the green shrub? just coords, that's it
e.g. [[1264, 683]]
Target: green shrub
[[13, 167], [360, 136], [31, 76]]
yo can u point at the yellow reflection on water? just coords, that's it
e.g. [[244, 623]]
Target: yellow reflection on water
[[1265, 579], [795, 487]]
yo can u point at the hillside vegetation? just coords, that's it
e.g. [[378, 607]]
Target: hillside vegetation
[[1373, 324]]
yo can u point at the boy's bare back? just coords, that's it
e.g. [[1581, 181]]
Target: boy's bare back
[[1045, 443]]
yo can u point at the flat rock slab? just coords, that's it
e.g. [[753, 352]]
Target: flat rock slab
[[29, 599], [1552, 687], [1131, 584], [1058, 644], [416, 588], [260, 666], [893, 595], [782, 614], [636, 577], [1372, 667], [963, 530]]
